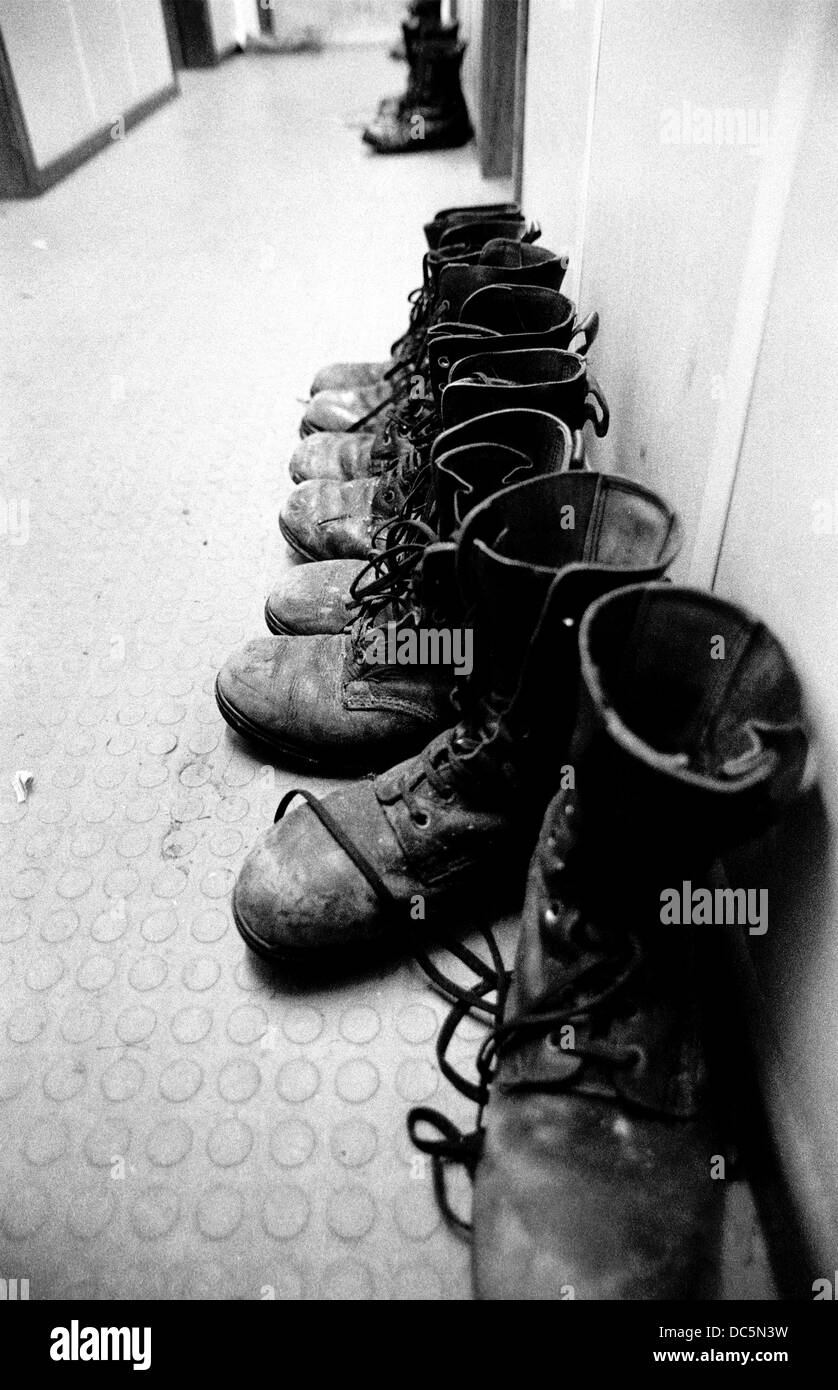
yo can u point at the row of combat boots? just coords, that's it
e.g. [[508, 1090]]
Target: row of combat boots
[[487, 639], [431, 113]]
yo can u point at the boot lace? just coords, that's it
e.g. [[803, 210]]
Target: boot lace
[[589, 994], [386, 583], [406, 347]]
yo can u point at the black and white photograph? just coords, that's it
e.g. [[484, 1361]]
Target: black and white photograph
[[419, 669]]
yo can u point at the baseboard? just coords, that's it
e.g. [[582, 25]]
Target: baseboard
[[42, 179]]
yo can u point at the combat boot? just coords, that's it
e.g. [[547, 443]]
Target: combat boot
[[323, 519], [375, 693], [496, 317], [434, 114], [457, 823], [600, 1166], [324, 596]]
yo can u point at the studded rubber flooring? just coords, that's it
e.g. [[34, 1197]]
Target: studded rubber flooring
[[175, 1120]]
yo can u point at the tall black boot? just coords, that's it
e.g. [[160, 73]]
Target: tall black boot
[[602, 1170], [456, 824], [433, 114]]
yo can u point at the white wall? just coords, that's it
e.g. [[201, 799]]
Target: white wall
[[562, 53], [699, 204], [343, 21], [232, 21], [779, 556], [79, 64]]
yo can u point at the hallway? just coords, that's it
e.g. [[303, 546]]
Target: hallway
[[186, 1124]]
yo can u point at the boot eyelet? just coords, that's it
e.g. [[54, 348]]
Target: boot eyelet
[[420, 819], [445, 363]]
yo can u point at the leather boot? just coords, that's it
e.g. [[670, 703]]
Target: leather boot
[[463, 213], [433, 115], [497, 317], [359, 406], [506, 259], [597, 1176], [461, 237], [325, 520], [376, 692], [453, 825], [323, 597], [544, 378]]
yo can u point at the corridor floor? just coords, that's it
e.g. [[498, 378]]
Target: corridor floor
[[175, 1120]]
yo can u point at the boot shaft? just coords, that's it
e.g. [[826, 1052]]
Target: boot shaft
[[465, 250], [692, 711], [447, 218], [529, 562], [505, 318], [463, 474], [468, 465], [474, 235], [501, 261], [435, 60], [548, 379], [690, 735]]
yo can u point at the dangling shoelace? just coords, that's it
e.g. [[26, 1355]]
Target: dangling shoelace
[[464, 1148]]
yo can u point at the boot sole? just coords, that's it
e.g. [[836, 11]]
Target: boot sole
[[273, 625], [290, 755], [421, 146], [296, 545]]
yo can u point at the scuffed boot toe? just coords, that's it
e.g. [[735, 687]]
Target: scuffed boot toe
[[341, 410], [312, 598], [349, 376], [281, 693], [326, 520], [249, 689], [341, 457], [300, 900]]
